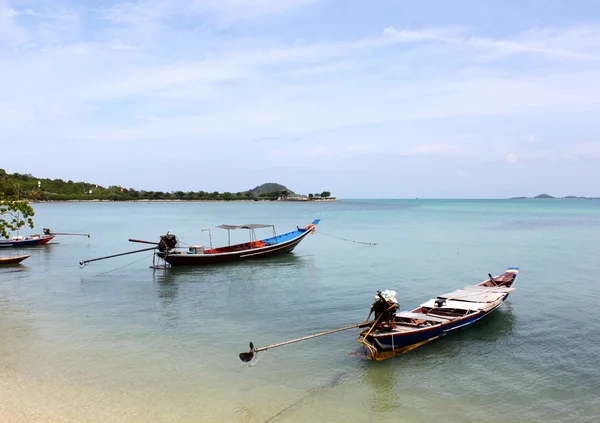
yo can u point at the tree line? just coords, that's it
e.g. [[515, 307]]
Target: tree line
[[25, 186]]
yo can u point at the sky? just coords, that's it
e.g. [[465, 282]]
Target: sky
[[365, 99]]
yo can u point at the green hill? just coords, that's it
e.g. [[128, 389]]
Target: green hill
[[270, 187]]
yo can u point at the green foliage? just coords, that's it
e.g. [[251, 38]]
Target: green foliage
[[14, 215], [17, 186]]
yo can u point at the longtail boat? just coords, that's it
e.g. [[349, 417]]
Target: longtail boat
[[12, 260], [399, 332], [253, 249], [26, 241], [169, 251], [391, 332], [34, 240]]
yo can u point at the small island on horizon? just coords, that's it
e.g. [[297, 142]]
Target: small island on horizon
[[546, 196]]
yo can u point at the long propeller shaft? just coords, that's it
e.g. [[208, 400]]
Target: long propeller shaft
[[247, 356], [141, 241], [85, 262]]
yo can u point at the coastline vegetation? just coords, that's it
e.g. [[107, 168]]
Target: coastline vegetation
[[18, 186]]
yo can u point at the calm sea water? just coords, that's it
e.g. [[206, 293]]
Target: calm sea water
[[120, 342]]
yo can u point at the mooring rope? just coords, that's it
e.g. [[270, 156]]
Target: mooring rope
[[349, 240], [311, 392], [129, 264]]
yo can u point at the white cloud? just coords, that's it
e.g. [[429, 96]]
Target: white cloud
[[583, 151], [540, 42], [532, 139], [239, 10], [10, 32], [463, 174], [511, 158], [432, 149]]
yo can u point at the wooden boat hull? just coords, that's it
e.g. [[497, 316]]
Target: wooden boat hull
[[27, 242], [12, 260], [400, 336], [399, 340], [273, 246]]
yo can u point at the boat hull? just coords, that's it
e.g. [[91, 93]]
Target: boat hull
[[28, 242], [457, 310], [12, 260], [398, 340], [179, 259]]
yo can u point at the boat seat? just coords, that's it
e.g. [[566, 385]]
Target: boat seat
[[458, 305], [421, 316]]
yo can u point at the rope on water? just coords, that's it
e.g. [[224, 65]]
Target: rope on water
[[311, 392], [349, 240], [129, 264]]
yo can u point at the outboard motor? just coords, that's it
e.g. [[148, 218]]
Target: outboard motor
[[385, 305], [167, 242]]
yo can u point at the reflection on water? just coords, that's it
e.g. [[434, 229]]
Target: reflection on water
[[243, 271], [388, 379], [491, 329], [384, 392], [218, 290]]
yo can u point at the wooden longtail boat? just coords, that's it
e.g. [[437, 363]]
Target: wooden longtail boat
[[254, 249], [26, 241], [398, 332], [167, 249], [391, 332], [34, 240], [12, 260]]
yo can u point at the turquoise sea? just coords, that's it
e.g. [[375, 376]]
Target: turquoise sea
[[118, 341]]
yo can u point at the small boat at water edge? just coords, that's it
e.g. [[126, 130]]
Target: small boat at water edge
[[13, 260], [391, 332], [394, 333], [26, 241], [34, 240]]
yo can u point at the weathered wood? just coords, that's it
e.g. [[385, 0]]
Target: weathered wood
[[13, 260]]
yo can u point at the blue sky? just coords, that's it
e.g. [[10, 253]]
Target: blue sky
[[366, 99]]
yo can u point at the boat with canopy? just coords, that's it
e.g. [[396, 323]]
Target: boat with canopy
[[171, 253]]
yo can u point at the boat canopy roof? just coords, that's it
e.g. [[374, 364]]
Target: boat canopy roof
[[247, 226]]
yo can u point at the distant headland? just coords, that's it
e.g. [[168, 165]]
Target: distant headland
[[546, 196], [31, 188]]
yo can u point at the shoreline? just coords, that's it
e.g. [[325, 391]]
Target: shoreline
[[183, 201]]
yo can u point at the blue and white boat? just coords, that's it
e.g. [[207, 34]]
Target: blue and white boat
[[198, 255], [26, 241], [397, 332]]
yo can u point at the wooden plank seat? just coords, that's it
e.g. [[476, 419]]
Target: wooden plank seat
[[421, 316], [458, 305]]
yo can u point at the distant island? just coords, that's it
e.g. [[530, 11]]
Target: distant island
[[28, 187], [546, 196]]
